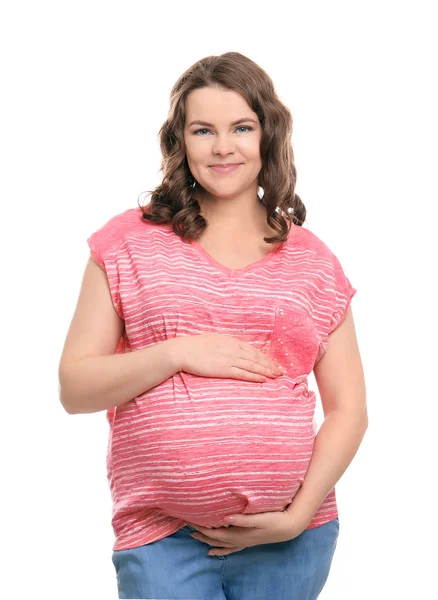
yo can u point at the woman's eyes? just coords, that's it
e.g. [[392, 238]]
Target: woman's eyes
[[241, 127]]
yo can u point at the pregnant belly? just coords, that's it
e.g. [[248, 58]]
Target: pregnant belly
[[201, 461]]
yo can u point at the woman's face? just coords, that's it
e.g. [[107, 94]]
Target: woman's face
[[218, 139]]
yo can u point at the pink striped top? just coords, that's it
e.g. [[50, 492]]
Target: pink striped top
[[198, 449]]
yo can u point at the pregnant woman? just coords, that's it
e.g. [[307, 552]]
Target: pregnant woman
[[200, 317]]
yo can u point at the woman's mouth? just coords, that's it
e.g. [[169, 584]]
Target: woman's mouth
[[224, 169]]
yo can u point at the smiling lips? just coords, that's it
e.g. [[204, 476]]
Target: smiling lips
[[224, 168]]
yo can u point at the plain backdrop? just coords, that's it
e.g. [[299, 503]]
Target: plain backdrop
[[85, 89]]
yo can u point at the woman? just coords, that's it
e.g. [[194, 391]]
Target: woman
[[200, 317]]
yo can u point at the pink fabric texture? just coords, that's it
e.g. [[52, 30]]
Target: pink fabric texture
[[196, 449]]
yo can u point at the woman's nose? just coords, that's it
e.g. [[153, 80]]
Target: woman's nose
[[223, 145]]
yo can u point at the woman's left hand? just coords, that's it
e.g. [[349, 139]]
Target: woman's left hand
[[250, 530]]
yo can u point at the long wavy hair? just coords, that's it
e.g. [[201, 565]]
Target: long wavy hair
[[173, 200]]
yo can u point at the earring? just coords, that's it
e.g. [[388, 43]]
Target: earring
[[192, 182]]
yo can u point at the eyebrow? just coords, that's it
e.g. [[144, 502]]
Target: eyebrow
[[244, 120]]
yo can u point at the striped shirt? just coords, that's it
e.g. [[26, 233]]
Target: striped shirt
[[196, 449]]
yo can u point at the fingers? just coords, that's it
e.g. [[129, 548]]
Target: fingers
[[225, 552], [245, 375], [212, 542], [259, 358], [268, 369], [253, 365]]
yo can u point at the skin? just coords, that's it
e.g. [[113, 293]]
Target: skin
[[229, 202]]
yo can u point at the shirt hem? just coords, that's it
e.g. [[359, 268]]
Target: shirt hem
[[145, 540]]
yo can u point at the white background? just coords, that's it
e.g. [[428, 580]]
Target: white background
[[85, 88]]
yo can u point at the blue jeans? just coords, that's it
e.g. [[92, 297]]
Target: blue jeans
[[177, 567]]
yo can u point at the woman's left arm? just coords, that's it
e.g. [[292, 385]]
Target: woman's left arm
[[341, 384]]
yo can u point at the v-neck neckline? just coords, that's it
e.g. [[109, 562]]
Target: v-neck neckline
[[206, 256]]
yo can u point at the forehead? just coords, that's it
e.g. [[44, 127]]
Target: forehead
[[217, 106]]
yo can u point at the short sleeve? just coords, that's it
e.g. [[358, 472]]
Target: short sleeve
[[95, 249], [344, 293], [104, 244]]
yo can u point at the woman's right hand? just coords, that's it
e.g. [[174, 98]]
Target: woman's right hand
[[221, 355]]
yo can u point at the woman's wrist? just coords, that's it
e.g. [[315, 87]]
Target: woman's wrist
[[175, 353]]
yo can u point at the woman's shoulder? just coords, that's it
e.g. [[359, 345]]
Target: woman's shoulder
[[310, 241], [326, 262], [126, 221], [117, 228]]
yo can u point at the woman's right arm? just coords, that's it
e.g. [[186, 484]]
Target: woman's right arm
[[91, 377]]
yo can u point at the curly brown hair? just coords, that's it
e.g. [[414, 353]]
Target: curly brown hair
[[173, 202]]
